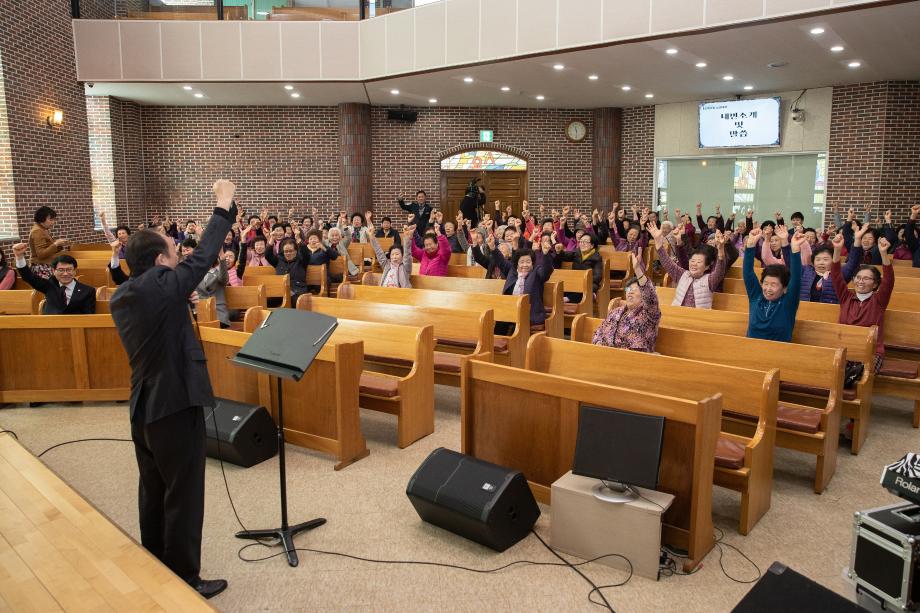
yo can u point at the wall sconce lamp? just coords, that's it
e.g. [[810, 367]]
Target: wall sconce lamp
[[56, 118]]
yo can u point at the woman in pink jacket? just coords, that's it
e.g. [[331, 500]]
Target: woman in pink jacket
[[435, 257]]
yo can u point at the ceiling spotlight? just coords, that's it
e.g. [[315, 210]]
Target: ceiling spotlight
[[593, 77], [837, 48], [187, 87], [671, 51], [748, 88], [559, 66], [649, 95], [395, 92], [701, 64], [854, 64], [626, 88], [467, 79], [817, 31], [432, 100], [199, 95], [505, 88], [289, 87], [295, 95], [727, 77], [541, 97]]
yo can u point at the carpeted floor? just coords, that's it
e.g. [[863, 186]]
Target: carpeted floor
[[369, 515]]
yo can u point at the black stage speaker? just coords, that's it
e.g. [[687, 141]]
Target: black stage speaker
[[402, 115], [246, 433], [783, 589], [481, 501]]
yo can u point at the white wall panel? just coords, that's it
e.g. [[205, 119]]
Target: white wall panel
[[400, 42], [780, 7], [536, 25], [98, 49], [580, 22], [429, 36], [670, 15], [499, 24], [220, 50], [625, 18], [462, 33], [300, 56], [261, 50], [181, 43], [339, 44], [722, 11], [140, 50]]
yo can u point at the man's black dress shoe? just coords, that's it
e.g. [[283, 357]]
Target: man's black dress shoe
[[210, 588]]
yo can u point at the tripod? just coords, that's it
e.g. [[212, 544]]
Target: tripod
[[285, 534]]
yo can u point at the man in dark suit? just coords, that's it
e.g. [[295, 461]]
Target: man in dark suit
[[420, 208], [169, 387], [64, 295]]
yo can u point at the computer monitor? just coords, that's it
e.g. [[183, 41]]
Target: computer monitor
[[618, 448]]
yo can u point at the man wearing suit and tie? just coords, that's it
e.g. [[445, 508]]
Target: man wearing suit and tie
[[169, 387], [64, 295]]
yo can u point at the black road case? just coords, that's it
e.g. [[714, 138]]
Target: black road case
[[886, 555]]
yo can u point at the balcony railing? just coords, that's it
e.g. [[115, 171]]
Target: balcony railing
[[241, 10]]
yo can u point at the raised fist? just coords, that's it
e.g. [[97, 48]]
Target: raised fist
[[19, 250], [224, 190]]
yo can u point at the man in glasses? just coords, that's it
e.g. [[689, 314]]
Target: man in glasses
[[64, 295]]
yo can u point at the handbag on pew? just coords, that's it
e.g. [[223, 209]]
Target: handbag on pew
[[852, 374]]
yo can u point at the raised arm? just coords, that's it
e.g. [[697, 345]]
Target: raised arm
[[887, 285], [751, 282], [19, 257], [190, 272], [407, 250]]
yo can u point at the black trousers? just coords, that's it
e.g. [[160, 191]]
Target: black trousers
[[171, 457]]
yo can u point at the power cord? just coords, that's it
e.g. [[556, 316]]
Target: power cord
[[10, 432], [84, 440], [669, 563]]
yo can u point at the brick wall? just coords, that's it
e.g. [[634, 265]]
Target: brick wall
[[50, 165], [637, 169], [8, 225], [279, 157], [405, 155], [102, 171], [874, 147], [128, 161], [900, 186]]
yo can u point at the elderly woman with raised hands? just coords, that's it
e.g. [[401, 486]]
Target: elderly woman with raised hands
[[397, 261], [695, 285], [771, 307], [435, 255], [632, 323], [865, 307]]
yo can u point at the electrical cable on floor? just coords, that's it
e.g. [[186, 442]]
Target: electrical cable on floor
[[84, 440], [10, 432], [669, 567]]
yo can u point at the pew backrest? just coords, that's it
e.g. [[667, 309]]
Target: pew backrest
[[20, 302]]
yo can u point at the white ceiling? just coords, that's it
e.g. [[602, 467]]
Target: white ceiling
[[883, 39]]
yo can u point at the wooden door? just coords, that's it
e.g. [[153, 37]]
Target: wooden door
[[508, 186]]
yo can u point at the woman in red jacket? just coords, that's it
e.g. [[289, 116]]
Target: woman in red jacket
[[435, 257]]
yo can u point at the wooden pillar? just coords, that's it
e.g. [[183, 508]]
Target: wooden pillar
[[606, 156], [355, 175]]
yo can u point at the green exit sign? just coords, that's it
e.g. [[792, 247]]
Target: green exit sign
[[486, 136]]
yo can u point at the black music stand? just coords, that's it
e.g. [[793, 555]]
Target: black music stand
[[284, 346]]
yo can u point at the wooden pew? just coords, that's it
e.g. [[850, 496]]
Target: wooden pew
[[578, 281], [91, 247], [89, 360], [94, 277], [602, 299], [320, 411], [408, 395], [456, 270], [743, 464], [20, 302], [458, 334], [858, 341], [529, 421], [268, 271], [813, 430], [276, 286], [900, 372], [240, 299], [61, 554], [512, 309], [909, 286], [552, 294], [620, 268]]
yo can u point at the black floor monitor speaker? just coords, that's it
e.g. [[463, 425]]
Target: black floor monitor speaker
[[783, 589], [246, 433], [483, 502]]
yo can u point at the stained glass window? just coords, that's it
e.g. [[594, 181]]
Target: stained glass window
[[483, 160]]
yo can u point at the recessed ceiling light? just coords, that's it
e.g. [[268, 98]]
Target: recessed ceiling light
[[854, 64], [295, 95], [626, 88], [837, 48], [727, 77], [187, 87], [817, 31], [671, 51], [505, 88], [541, 97], [433, 100], [748, 87], [395, 92], [559, 66], [701, 64], [289, 87], [593, 77], [467, 79], [199, 95], [649, 95]]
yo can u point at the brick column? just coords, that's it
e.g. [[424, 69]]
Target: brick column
[[605, 158], [355, 175]]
